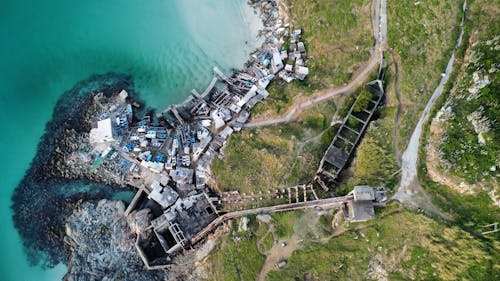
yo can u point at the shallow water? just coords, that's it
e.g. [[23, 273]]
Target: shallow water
[[169, 46]]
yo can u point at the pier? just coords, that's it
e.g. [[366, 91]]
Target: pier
[[223, 76], [209, 88]]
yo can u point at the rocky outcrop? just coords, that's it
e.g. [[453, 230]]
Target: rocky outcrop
[[57, 178], [102, 247], [376, 269]]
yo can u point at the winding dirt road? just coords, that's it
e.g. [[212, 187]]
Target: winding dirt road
[[410, 191], [379, 23]]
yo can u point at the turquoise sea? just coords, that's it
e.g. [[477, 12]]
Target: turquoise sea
[[46, 47]]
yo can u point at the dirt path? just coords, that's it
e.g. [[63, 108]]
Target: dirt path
[[276, 254], [410, 192], [302, 103], [379, 24], [259, 242]]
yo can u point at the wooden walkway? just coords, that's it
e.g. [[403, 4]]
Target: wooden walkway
[[323, 203], [223, 76], [209, 88]]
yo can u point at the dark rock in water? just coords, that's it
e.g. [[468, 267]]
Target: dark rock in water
[[100, 242], [40, 211], [45, 196]]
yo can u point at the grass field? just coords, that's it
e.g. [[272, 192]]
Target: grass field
[[338, 37], [423, 36], [473, 116], [234, 259], [401, 246], [275, 156], [398, 245]]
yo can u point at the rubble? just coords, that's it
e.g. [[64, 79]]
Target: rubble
[[99, 242]]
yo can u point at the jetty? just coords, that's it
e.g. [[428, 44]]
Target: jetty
[[223, 76]]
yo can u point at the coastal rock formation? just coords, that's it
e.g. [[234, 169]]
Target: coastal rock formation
[[101, 246], [68, 169], [52, 185]]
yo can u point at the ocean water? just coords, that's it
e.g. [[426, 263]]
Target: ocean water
[[46, 47]]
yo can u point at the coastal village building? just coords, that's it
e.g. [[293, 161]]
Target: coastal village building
[[102, 132], [276, 63], [361, 208], [163, 195], [123, 95], [301, 48], [167, 157], [301, 72]]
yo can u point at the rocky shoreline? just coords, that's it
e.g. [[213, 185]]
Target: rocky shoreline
[[51, 188], [101, 246]]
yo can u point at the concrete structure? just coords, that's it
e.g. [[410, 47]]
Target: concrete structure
[[361, 208], [359, 211], [276, 63], [102, 132], [348, 136], [163, 195], [363, 193], [301, 72], [171, 231]]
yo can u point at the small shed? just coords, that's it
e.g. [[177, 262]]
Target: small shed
[[301, 47], [301, 72], [360, 211], [363, 193]]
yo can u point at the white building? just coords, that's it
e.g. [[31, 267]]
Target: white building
[[165, 196], [301, 72], [123, 96], [276, 63], [103, 132]]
